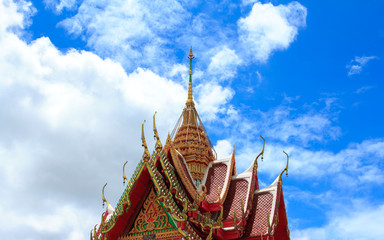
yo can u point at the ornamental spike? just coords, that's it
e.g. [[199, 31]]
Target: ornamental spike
[[94, 232], [260, 154], [124, 177], [104, 200], [146, 155], [286, 167], [158, 145]]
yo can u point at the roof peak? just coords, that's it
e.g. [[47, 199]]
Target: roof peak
[[190, 101]]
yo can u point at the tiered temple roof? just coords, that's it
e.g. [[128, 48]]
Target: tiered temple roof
[[182, 191]]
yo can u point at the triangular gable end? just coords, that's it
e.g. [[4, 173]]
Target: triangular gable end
[[151, 222]]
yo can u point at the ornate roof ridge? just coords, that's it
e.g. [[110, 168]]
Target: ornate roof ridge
[[183, 171]]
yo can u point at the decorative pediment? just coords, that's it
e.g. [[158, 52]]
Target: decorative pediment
[[151, 221]]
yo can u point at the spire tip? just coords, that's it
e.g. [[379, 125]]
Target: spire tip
[[190, 55]]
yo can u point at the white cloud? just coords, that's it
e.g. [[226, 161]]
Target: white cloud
[[356, 65], [69, 122], [133, 32], [305, 128], [269, 28], [363, 89], [179, 69], [224, 63], [355, 166], [361, 221], [15, 15], [65, 221], [212, 100], [60, 5], [223, 148], [285, 124]]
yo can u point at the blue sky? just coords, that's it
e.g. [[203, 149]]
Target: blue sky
[[79, 77]]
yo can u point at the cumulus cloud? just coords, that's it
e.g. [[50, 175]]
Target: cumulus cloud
[[212, 100], [223, 148], [15, 16], [59, 5], [269, 28], [361, 221], [357, 64], [69, 122], [355, 167], [142, 38], [224, 63], [286, 124]]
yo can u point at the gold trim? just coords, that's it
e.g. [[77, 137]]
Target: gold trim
[[124, 177], [285, 169], [158, 145], [104, 200], [151, 217], [260, 154], [171, 234], [146, 154]]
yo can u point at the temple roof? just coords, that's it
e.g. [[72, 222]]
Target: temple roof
[[182, 191]]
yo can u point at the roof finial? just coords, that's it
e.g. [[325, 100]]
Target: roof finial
[[190, 94], [105, 200], [124, 177], [158, 145], [286, 167], [146, 155], [260, 154]]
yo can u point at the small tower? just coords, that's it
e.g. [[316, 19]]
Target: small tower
[[190, 137]]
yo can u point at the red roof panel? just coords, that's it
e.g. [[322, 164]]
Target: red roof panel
[[237, 192], [258, 220], [215, 180]]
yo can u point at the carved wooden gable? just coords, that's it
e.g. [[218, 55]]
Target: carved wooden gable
[[152, 222]]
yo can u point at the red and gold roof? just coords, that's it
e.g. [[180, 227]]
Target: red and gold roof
[[182, 191]]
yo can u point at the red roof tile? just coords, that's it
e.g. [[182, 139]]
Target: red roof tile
[[237, 191], [258, 220], [215, 180]]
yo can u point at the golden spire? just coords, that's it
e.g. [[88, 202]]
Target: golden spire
[[190, 93]]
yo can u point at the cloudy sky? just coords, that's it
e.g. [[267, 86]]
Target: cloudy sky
[[78, 77]]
